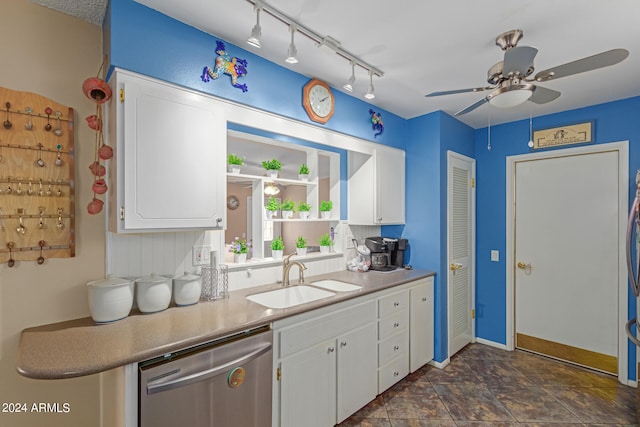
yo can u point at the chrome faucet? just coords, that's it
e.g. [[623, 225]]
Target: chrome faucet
[[286, 269]]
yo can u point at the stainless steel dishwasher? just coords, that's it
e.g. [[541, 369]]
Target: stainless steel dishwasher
[[226, 382]]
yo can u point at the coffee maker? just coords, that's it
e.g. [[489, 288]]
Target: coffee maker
[[387, 253]]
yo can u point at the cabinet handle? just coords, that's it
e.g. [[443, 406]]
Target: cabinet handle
[[343, 344], [424, 299], [332, 349], [396, 373], [396, 304], [218, 221], [396, 348], [395, 325]]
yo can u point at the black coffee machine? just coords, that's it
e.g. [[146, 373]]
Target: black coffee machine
[[387, 253]]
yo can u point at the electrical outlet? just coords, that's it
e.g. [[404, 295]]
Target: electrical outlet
[[202, 255], [349, 244]]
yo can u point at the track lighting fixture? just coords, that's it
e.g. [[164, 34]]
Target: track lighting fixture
[[370, 90], [271, 190], [292, 52], [349, 85], [256, 32], [324, 42]]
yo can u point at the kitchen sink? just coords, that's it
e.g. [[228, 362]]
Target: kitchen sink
[[289, 296], [336, 285]]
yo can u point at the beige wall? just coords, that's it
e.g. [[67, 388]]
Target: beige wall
[[49, 53]]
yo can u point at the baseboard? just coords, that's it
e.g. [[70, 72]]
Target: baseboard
[[491, 343], [440, 365]]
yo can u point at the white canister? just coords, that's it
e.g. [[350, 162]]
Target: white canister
[[110, 299], [187, 289], [153, 293]]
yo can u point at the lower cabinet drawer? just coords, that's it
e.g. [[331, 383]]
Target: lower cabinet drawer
[[393, 324], [392, 372], [395, 346]]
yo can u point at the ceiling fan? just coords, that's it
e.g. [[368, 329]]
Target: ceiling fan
[[510, 80]]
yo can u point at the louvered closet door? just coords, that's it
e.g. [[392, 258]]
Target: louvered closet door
[[460, 232]]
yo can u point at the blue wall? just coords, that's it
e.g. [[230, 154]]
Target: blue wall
[[614, 121], [142, 40]]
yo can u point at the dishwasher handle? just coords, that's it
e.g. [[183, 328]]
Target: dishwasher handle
[[209, 373]]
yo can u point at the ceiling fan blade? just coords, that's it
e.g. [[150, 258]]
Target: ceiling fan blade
[[519, 60], [600, 60], [542, 95], [452, 92], [471, 107]]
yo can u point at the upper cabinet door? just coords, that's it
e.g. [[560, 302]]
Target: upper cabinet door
[[390, 188], [376, 187], [171, 157]]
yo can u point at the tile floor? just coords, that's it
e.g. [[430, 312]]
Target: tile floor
[[488, 387]]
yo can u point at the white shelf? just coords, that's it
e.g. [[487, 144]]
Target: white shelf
[[270, 262], [240, 177]]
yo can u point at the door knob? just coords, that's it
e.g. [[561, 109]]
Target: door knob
[[526, 267], [455, 266]]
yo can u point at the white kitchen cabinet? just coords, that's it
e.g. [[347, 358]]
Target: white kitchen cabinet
[[326, 367], [421, 323], [168, 171], [377, 187]]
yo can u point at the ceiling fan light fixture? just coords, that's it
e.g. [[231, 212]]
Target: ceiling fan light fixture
[[256, 31], [510, 96]]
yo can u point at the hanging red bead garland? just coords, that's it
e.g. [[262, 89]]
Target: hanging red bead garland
[[98, 91]]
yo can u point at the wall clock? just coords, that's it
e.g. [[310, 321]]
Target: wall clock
[[233, 202], [318, 101]]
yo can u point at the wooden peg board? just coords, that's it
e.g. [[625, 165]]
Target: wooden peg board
[[37, 205]]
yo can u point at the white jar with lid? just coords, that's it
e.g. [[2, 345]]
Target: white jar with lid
[[153, 293], [110, 299], [187, 289]]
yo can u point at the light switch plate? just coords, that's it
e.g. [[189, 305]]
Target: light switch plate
[[495, 256]]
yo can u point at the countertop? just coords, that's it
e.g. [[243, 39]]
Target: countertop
[[81, 347]]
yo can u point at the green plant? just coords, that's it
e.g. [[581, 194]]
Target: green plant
[[304, 169], [326, 206], [277, 244], [272, 204], [288, 205], [272, 165], [325, 240], [240, 246], [304, 207], [232, 159], [301, 242]]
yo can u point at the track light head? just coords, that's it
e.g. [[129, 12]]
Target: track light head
[[349, 85], [256, 32], [292, 52], [370, 90]]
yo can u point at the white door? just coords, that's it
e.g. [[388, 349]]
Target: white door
[[460, 244], [567, 257]]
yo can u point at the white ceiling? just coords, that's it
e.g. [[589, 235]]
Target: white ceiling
[[424, 46]]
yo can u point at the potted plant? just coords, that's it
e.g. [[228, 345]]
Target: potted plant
[[325, 243], [303, 172], [303, 210], [272, 207], [240, 248], [272, 167], [234, 163], [301, 246], [288, 206], [277, 248], [325, 208]]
